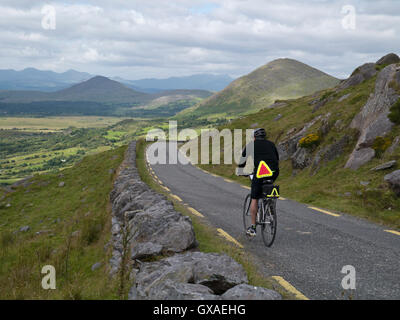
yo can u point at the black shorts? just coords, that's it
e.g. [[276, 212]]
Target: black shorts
[[256, 185]]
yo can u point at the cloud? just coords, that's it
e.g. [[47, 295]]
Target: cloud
[[161, 38]]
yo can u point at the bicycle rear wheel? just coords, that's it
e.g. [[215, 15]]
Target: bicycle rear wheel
[[246, 213], [269, 221]]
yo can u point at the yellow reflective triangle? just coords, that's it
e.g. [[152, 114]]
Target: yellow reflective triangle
[[263, 170], [274, 193]]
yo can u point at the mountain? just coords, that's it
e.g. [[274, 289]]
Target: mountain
[[33, 79], [100, 89], [208, 82], [279, 79], [99, 96]]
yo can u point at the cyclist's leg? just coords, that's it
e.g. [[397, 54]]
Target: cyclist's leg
[[256, 193]]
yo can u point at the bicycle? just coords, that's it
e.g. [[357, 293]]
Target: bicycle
[[266, 213]]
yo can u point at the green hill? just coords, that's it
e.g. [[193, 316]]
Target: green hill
[[279, 79]]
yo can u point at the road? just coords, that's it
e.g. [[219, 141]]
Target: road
[[311, 246]]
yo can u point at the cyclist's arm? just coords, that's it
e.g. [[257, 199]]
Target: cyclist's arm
[[276, 152], [243, 159]]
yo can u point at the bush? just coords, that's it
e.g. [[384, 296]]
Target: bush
[[310, 141], [380, 145]]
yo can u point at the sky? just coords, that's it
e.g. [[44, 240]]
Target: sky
[[136, 39]]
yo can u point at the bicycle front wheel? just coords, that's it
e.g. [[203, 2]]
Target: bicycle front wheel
[[246, 213], [269, 222]]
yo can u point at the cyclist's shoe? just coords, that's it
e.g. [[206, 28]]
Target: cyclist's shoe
[[251, 231]]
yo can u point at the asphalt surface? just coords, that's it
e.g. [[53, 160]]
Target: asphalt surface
[[311, 247]]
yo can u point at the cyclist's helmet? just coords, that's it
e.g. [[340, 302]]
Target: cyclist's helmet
[[260, 133]]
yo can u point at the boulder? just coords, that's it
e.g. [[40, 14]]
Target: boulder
[[247, 292], [216, 272], [388, 59], [24, 229], [96, 266], [171, 290], [160, 229], [360, 157], [393, 179], [342, 98], [373, 119], [385, 166]]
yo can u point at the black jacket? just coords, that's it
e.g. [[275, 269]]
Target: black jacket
[[264, 150]]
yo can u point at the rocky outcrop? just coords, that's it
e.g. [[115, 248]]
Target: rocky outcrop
[[288, 147], [373, 119], [301, 158], [388, 59], [362, 73], [385, 166], [329, 153], [153, 228]]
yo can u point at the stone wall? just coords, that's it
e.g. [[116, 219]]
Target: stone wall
[[148, 223]]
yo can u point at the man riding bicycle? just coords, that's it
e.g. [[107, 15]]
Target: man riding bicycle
[[266, 160]]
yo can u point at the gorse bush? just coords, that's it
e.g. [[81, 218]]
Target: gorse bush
[[380, 145], [310, 141]]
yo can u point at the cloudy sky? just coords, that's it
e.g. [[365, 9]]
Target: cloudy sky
[[160, 38]]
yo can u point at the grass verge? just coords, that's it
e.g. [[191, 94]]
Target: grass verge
[[68, 215]]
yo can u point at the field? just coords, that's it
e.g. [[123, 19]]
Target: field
[[56, 123]]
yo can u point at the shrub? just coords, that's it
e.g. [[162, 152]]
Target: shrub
[[394, 114], [310, 141], [380, 145]]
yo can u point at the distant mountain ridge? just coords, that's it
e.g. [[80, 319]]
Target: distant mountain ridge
[[38, 80], [31, 79], [279, 79], [207, 82]]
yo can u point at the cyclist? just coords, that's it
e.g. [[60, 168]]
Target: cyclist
[[263, 152]]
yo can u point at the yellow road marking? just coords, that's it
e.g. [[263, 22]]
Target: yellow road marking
[[176, 197], [394, 232], [227, 180], [282, 198], [229, 237], [246, 187], [195, 212], [290, 288], [165, 188], [324, 211]]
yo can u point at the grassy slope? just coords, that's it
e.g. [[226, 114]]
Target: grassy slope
[[280, 79], [81, 205], [328, 186], [207, 236]]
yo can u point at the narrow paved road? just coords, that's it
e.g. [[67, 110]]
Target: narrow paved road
[[311, 247]]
